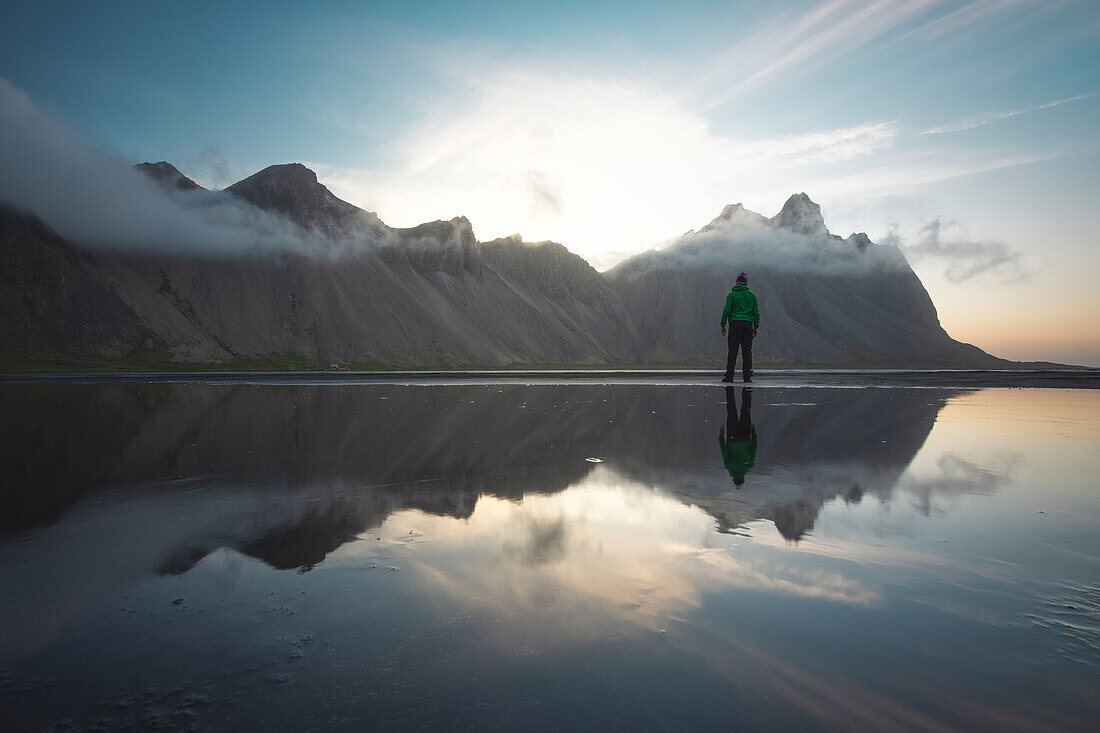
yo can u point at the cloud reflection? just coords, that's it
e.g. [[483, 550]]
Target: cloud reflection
[[605, 553]]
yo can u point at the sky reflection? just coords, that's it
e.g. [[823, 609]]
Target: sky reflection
[[604, 552], [894, 558]]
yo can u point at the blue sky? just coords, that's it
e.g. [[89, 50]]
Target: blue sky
[[967, 131]]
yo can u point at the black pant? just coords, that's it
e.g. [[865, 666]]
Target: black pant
[[740, 336], [739, 427]]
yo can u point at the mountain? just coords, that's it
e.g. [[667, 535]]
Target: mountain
[[427, 295], [433, 295], [293, 191], [823, 299], [802, 216], [168, 176]]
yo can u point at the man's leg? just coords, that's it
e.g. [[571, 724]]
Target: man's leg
[[731, 411], [745, 419], [741, 430], [746, 351], [732, 341]]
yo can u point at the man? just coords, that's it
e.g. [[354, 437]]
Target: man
[[739, 450], [742, 312]]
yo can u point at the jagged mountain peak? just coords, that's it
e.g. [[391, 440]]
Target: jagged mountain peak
[[288, 173], [276, 183], [458, 230], [168, 176], [801, 215], [860, 240], [293, 190], [734, 215]]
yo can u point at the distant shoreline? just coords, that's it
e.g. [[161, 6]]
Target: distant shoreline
[[159, 362], [765, 378]]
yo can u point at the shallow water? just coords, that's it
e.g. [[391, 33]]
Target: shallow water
[[230, 556]]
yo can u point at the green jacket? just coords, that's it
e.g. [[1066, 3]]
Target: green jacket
[[739, 456], [741, 305]]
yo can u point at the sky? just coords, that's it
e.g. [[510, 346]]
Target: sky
[[965, 131]]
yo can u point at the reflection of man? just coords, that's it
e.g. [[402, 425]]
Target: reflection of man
[[739, 450]]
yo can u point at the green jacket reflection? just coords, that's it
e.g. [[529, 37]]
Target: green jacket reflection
[[738, 455], [741, 305]]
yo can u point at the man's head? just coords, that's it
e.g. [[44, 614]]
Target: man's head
[[742, 279]]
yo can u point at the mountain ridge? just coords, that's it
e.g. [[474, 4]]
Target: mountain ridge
[[292, 190], [168, 176], [433, 295]]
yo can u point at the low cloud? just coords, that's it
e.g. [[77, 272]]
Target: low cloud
[[546, 195], [965, 258], [94, 198], [210, 164], [748, 242]]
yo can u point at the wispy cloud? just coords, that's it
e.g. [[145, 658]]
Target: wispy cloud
[[908, 171], [823, 33], [988, 118], [961, 19]]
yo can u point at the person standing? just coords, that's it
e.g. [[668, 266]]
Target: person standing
[[742, 313]]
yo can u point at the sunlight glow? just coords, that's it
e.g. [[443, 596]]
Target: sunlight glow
[[606, 168]]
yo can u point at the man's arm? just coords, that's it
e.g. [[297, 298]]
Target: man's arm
[[726, 312], [755, 314]]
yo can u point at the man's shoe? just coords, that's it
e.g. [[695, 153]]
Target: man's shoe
[[747, 379], [727, 379]]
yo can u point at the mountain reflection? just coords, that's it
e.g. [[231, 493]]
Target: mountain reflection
[[318, 465]]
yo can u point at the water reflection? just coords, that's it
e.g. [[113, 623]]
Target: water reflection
[[158, 477], [458, 535], [739, 450], [312, 467]]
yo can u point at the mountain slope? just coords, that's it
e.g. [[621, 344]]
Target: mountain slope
[[429, 295], [53, 300], [433, 295], [168, 176]]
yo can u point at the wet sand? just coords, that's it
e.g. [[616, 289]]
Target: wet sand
[[228, 552]]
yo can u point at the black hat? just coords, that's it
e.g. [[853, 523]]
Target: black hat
[[743, 278]]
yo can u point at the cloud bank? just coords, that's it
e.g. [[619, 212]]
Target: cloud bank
[[96, 199], [747, 241]]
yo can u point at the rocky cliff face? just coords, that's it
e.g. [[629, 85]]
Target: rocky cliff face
[[432, 295], [53, 299]]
